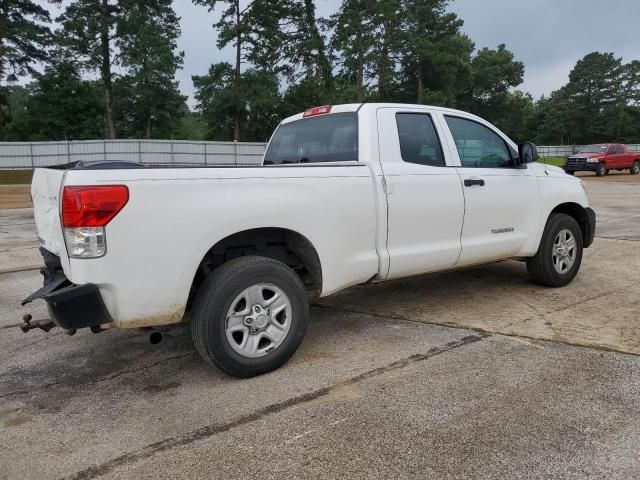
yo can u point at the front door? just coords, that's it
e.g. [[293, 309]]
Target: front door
[[502, 207]]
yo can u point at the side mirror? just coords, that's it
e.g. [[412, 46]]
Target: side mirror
[[528, 153]]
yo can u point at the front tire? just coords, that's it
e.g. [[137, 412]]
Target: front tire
[[635, 168], [249, 316], [601, 170], [560, 253]]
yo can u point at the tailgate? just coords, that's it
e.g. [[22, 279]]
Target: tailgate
[[45, 192]]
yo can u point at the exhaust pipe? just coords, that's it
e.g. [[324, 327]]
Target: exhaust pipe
[[155, 338]]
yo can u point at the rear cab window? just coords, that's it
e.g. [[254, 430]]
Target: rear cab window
[[419, 142], [326, 138]]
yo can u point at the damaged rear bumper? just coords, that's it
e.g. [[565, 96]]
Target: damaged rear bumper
[[70, 306]]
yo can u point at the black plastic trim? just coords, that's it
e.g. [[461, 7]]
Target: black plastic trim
[[77, 306], [70, 306], [590, 227]]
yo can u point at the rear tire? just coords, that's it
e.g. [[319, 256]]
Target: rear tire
[[560, 253], [635, 168], [601, 170], [249, 316]]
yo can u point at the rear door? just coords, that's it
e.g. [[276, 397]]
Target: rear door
[[502, 205], [424, 194], [623, 158]]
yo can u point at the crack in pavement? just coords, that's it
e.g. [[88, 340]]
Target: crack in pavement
[[22, 347], [620, 239], [211, 430], [493, 332]]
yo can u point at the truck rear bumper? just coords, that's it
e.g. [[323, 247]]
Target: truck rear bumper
[[70, 306]]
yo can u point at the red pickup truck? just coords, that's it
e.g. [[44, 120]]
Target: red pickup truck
[[601, 158]]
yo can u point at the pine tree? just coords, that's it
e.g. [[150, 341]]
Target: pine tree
[[86, 36], [24, 37], [354, 40], [305, 48], [254, 29], [147, 35], [426, 30]]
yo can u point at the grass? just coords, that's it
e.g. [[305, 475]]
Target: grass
[[15, 177], [557, 161]]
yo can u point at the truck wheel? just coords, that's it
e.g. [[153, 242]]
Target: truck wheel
[[601, 170], [635, 168], [249, 316], [569, 172], [560, 253]]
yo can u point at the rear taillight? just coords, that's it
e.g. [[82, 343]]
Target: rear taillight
[[85, 213]]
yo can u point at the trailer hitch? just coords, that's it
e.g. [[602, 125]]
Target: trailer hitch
[[44, 324]]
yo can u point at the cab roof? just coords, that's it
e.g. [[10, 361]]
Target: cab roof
[[354, 107]]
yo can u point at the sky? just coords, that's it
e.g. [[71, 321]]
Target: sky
[[549, 36]]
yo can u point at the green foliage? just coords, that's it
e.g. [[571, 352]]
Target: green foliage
[[286, 60], [148, 101], [86, 37], [60, 105], [257, 107], [24, 35], [598, 104]]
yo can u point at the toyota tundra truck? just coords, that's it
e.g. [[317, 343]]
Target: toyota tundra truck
[[345, 195], [603, 157]]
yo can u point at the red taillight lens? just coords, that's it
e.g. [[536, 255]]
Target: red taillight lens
[[316, 111], [92, 206]]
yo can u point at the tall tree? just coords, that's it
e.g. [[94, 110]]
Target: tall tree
[[215, 94], [595, 85], [304, 46], [61, 105], [147, 35], [87, 34], [253, 29], [354, 40], [24, 37], [427, 26], [387, 21]]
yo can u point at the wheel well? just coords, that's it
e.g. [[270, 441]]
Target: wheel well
[[284, 245], [578, 213]]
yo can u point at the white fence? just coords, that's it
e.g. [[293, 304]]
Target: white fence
[[28, 155]]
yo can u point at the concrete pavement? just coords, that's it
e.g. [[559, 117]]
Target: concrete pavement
[[377, 389]]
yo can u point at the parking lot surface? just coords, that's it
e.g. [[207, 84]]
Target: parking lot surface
[[475, 373]]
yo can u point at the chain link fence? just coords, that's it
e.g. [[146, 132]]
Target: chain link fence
[[29, 155]]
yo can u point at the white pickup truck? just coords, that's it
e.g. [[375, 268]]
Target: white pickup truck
[[346, 194]]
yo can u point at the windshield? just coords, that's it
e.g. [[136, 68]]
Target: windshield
[[327, 138], [593, 149]]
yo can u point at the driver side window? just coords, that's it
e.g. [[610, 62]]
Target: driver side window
[[478, 146]]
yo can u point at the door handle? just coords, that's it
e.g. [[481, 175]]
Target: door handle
[[469, 182]]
